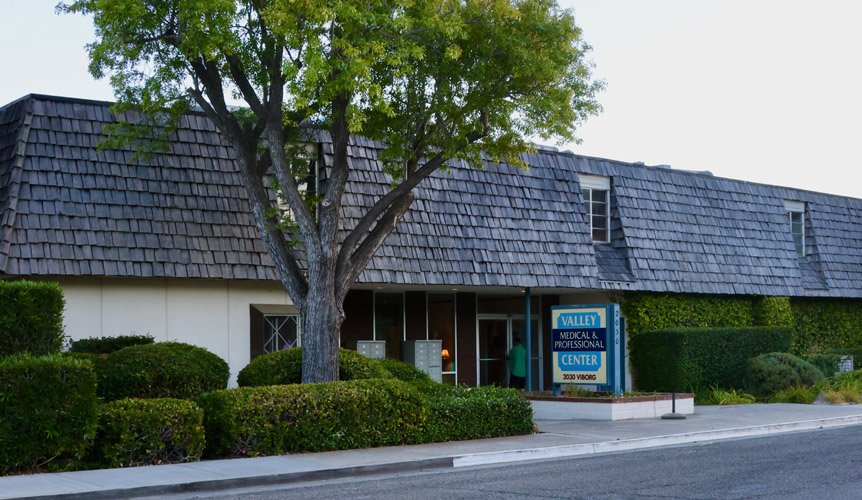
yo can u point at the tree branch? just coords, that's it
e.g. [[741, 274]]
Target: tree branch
[[350, 271]]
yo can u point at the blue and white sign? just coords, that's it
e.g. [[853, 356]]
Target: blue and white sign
[[585, 345]]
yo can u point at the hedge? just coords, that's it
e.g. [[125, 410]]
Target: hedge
[[776, 371], [271, 420], [161, 370], [135, 432], [107, 345], [651, 311], [48, 408], [692, 359], [31, 317], [459, 412], [285, 367]]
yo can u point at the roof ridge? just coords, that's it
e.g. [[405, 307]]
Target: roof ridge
[[9, 212]]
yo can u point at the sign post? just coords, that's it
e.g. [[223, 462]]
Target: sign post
[[586, 346]]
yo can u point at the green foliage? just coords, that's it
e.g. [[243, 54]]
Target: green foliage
[[404, 371], [354, 366], [31, 317], [135, 432], [691, 359], [271, 420], [459, 412], [285, 367], [48, 408], [776, 371], [650, 311], [107, 345], [826, 362], [718, 396], [825, 324], [432, 81], [772, 311], [162, 370], [435, 71], [798, 394]]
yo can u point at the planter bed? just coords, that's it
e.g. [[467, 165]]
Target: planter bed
[[608, 408]]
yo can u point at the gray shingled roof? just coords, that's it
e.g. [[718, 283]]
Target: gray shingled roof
[[69, 209]]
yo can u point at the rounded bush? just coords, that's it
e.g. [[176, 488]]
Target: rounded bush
[[777, 371], [135, 432], [107, 345], [404, 371], [285, 367], [48, 408], [162, 370]]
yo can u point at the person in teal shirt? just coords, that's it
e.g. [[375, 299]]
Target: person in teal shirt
[[517, 364]]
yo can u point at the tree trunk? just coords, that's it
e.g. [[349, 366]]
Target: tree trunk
[[321, 318]]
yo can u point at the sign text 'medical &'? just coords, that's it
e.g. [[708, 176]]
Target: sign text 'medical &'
[[585, 339]]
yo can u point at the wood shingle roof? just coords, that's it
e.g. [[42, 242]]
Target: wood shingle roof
[[68, 208]]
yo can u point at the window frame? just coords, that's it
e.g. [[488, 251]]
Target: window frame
[[796, 209], [590, 184]]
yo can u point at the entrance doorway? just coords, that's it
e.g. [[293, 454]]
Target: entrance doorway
[[494, 338]]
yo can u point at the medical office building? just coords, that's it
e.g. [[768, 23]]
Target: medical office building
[[167, 246]]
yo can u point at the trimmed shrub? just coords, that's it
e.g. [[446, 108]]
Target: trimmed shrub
[[48, 408], [107, 345], [135, 432], [31, 317], [777, 371], [459, 412], [355, 366], [693, 359], [652, 311], [162, 370], [404, 371], [285, 367], [251, 421]]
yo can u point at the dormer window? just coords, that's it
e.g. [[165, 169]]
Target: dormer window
[[796, 216], [596, 190]]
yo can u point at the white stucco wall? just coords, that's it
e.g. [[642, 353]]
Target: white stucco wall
[[207, 313]]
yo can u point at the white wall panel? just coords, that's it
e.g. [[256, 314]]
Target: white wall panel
[[211, 314]]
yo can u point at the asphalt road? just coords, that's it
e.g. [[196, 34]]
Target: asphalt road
[[810, 465]]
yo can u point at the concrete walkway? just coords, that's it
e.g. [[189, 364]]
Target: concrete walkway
[[556, 439]]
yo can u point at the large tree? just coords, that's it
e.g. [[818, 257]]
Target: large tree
[[432, 80]]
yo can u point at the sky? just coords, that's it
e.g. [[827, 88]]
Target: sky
[[766, 91]]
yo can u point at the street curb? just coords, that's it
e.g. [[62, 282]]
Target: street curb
[[263, 480], [650, 442], [458, 461]]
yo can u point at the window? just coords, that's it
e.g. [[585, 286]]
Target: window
[[389, 321], [796, 216], [272, 327], [596, 191], [441, 326], [280, 332]]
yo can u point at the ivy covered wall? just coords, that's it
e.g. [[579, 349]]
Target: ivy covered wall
[[818, 324]]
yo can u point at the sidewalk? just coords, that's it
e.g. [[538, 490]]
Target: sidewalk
[[556, 439]]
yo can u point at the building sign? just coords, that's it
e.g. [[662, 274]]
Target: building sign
[[585, 345]]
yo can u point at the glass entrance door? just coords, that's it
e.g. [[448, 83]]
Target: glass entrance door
[[493, 341], [517, 327], [494, 338]]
